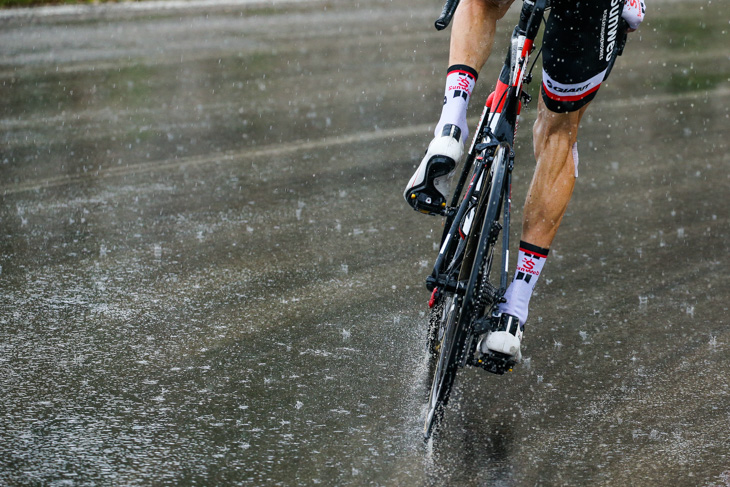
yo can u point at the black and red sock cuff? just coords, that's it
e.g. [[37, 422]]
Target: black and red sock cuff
[[536, 251], [463, 68]]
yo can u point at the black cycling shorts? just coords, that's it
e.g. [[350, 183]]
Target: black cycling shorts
[[582, 38]]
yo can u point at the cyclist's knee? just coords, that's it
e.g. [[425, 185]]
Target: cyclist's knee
[[555, 128]]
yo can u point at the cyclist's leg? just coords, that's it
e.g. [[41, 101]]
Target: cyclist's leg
[[577, 47], [555, 136], [472, 36], [579, 43]]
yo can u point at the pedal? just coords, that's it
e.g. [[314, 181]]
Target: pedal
[[495, 362]]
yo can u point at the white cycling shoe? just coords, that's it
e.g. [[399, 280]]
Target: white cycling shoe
[[428, 189], [505, 338]]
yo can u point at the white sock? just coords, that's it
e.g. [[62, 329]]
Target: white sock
[[530, 262], [460, 82]]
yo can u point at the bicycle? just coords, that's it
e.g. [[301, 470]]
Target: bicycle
[[463, 296]]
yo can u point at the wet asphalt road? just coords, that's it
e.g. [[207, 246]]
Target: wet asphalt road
[[209, 277]]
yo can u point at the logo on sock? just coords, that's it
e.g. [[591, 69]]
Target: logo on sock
[[464, 83], [526, 265], [460, 81]]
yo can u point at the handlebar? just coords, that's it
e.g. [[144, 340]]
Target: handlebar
[[530, 9], [446, 14]]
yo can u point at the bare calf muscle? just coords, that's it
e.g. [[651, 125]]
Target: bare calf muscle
[[473, 30], [554, 136]]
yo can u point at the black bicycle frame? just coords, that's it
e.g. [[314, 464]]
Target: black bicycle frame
[[486, 139]]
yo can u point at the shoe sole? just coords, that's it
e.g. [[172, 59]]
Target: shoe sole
[[425, 197]]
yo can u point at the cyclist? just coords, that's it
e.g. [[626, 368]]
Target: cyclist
[[578, 50]]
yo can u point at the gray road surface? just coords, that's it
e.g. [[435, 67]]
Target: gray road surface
[[209, 277]]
